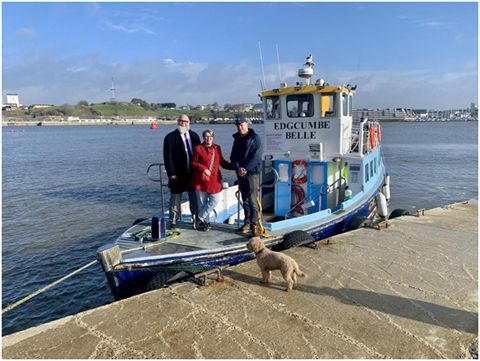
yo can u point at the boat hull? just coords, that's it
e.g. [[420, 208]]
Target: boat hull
[[134, 278]]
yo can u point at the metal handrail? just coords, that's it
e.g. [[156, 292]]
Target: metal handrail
[[160, 180], [239, 202], [295, 206], [275, 180], [328, 189], [338, 180]]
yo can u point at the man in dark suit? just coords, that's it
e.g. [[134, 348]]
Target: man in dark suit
[[177, 155]]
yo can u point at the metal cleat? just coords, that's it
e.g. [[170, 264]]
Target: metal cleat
[[202, 278], [420, 212]]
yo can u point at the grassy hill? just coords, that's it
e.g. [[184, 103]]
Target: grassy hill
[[111, 109]]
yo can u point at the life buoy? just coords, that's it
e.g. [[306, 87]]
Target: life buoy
[[372, 136], [379, 132], [299, 171]]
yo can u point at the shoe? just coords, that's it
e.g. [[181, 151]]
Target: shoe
[[207, 227], [201, 225], [254, 229], [243, 229]]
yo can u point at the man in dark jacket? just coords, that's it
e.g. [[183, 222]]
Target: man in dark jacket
[[246, 159], [177, 155]]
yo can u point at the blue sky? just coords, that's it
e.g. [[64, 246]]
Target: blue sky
[[419, 55]]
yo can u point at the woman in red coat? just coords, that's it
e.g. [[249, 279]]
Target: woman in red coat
[[207, 178]]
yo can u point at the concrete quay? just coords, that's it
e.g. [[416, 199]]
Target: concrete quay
[[407, 291]]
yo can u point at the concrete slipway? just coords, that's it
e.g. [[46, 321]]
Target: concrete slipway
[[408, 291]]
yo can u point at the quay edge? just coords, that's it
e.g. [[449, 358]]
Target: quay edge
[[407, 291]]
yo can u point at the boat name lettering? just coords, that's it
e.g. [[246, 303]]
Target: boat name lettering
[[300, 135], [324, 124]]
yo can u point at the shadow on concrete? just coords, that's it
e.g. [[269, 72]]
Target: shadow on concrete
[[410, 308]]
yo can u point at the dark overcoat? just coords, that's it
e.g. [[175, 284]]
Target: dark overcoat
[[175, 160]]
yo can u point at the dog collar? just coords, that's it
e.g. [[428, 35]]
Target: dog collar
[[259, 251]]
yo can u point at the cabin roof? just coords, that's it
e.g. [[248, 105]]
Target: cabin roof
[[301, 89]]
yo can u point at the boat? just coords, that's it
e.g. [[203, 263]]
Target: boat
[[153, 125], [323, 174]]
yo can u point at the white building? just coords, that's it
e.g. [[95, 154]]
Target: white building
[[13, 101]]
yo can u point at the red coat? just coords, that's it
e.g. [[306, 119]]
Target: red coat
[[202, 156]]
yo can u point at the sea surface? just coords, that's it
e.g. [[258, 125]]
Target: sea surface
[[68, 190]]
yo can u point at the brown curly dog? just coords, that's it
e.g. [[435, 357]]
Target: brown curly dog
[[270, 261]]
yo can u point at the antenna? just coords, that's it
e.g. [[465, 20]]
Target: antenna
[[278, 62], [112, 89], [261, 61]]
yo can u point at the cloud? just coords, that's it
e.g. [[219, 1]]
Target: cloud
[[128, 29], [426, 23], [27, 32], [423, 22], [43, 79], [412, 88]]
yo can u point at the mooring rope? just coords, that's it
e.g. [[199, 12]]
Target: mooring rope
[[25, 299]]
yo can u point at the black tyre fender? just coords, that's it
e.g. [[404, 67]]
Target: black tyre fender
[[138, 220], [398, 213], [159, 280], [294, 239], [355, 223]]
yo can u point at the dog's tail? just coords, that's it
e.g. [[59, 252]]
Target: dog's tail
[[300, 273]]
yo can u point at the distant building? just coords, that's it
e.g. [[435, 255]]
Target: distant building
[[39, 106], [473, 109], [421, 113], [388, 114], [13, 101], [258, 107]]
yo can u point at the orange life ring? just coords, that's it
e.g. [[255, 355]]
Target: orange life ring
[[372, 136], [303, 176], [379, 132]]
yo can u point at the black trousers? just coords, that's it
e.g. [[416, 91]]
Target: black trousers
[[249, 189]]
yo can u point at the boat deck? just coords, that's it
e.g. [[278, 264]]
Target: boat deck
[[183, 239]]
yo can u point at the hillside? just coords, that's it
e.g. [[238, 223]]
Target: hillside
[[112, 109]]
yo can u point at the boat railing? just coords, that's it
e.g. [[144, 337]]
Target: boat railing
[[325, 189], [161, 167], [275, 180]]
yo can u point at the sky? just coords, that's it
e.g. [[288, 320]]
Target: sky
[[413, 55]]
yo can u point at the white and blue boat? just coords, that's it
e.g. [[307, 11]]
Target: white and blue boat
[[323, 174]]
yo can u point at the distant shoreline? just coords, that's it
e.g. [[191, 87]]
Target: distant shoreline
[[89, 122], [131, 122]]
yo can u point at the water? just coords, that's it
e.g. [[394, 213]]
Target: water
[[69, 190]]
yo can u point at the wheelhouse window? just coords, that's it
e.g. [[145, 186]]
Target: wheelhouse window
[[350, 106], [328, 104], [300, 105], [272, 107], [344, 104]]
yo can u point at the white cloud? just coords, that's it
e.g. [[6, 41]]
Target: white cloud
[[26, 32], [426, 23], [128, 29], [46, 80]]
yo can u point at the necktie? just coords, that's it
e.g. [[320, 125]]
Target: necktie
[[189, 149]]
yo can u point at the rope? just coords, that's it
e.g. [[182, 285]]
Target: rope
[[25, 299], [263, 232]]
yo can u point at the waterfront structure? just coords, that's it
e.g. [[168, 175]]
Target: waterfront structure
[[385, 115]]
